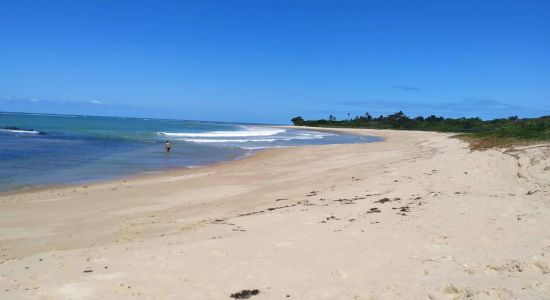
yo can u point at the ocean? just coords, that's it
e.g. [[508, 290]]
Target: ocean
[[40, 150]]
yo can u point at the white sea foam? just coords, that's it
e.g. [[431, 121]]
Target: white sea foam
[[265, 147], [248, 132], [310, 136], [20, 131], [226, 140]]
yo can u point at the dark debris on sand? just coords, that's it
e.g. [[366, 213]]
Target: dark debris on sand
[[330, 218], [245, 294], [403, 208], [384, 200]]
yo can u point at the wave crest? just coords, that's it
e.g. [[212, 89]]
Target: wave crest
[[20, 131], [249, 132], [226, 140]]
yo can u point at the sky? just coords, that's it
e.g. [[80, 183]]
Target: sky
[[268, 61]]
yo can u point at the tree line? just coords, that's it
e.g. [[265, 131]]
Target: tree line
[[525, 128]]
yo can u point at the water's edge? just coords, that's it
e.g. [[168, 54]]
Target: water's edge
[[250, 154]]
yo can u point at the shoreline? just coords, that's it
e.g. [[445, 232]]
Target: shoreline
[[417, 216], [171, 171]]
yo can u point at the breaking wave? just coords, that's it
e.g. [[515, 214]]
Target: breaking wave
[[247, 137], [20, 131], [248, 132], [227, 140]]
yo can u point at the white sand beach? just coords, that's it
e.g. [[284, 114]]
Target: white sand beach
[[418, 216]]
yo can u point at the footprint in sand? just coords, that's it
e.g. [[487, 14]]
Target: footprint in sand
[[451, 289], [497, 293], [512, 267], [542, 266]]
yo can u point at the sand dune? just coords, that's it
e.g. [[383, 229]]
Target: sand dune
[[418, 216]]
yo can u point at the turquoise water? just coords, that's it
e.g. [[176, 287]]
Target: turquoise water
[[62, 149]]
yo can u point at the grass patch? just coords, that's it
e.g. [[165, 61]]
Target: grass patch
[[482, 143]]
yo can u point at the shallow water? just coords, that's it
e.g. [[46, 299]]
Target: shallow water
[[61, 149]]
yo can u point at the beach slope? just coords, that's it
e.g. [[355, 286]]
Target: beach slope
[[418, 216]]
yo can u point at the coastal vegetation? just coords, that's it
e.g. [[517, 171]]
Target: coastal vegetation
[[481, 134]]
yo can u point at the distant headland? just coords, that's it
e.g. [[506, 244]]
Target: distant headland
[[481, 134]]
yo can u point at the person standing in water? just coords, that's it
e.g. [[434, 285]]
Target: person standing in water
[[167, 146]]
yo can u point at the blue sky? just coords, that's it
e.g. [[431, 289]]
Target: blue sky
[[268, 61]]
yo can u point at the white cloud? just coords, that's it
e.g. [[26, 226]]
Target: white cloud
[[96, 102]]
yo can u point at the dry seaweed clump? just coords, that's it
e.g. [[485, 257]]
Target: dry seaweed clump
[[245, 294]]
